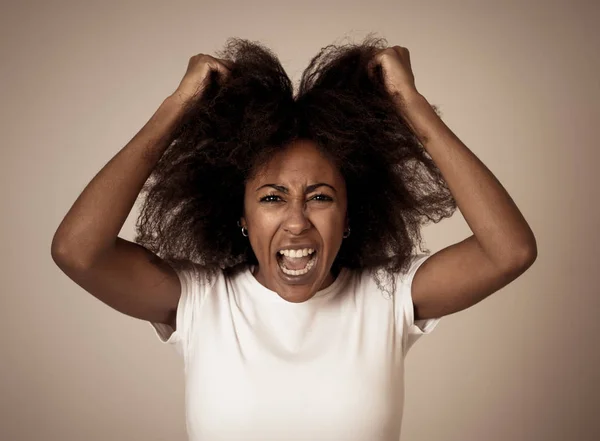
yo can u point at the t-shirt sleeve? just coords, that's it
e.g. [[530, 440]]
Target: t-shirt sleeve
[[191, 277], [412, 329]]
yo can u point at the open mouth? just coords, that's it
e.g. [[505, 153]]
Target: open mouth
[[296, 262]]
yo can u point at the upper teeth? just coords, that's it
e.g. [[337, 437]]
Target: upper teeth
[[297, 253]]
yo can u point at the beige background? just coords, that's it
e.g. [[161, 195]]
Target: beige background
[[517, 82]]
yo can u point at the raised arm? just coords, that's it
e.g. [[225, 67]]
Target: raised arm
[[502, 245], [86, 246]]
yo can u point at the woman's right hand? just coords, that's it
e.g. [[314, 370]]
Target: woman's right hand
[[86, 246], [197, 76]]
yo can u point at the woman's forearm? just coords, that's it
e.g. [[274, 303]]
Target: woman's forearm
[[488, 209], [93, 223]]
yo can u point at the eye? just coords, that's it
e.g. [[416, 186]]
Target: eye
[[321, 198], [270, 198]]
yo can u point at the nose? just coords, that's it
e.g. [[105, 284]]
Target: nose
[[296, 220]]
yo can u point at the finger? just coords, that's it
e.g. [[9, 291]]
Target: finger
[[372, 65], [228, 64], [221, 68], [403, 52]]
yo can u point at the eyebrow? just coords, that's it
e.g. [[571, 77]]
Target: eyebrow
[[285, 190]]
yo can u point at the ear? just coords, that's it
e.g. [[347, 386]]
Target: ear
[[242, 222]]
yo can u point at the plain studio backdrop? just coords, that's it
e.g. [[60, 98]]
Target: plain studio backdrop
[[516, 81]]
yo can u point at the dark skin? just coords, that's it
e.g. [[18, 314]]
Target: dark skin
[[285, 207], [134, 281]]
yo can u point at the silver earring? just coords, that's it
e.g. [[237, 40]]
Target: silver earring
[[346, 233], [244, 229]]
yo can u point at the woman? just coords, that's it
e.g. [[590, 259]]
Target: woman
[[276, 242]]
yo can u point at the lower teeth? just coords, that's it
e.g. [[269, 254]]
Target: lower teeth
[[299, 272]]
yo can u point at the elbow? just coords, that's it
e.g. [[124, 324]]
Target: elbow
[[66, 255], [526, 254], [61, 253], [530, 252], [518, 256]]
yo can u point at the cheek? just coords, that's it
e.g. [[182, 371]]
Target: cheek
[[262, 231], [264, 221], [330, 225]]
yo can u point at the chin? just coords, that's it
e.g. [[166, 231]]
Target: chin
[[300, 287]]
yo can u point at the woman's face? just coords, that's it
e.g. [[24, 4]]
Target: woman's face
[[295, 213]]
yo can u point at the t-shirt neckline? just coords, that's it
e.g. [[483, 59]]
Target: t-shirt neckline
[[267, 294]]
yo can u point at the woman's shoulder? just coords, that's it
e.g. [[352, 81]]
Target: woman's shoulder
[[387, 279], [196, 273]]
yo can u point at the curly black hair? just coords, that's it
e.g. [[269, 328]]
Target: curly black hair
[[194, 197]]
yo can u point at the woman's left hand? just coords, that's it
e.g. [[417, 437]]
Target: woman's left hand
[[398, 77]]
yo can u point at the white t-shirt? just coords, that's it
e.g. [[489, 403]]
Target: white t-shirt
[[260, 368]]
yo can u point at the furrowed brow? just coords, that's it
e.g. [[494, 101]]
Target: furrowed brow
[[280, 188], [285, 190], [313, 187]]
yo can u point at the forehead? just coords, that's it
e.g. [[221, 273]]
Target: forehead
[[298, 164]]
